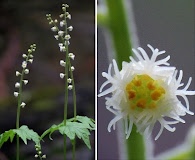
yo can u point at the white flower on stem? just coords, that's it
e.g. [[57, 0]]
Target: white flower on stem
[[62, 75], [56, 37], [24, 56], [145, 92], [69, 80], [25, 82], [62, 63], [30, 60], [62, 49], [68, 16], [26, 71], [61, 33], [24, 64], [36, 156], [72, 68], [16, 94], [44, 156], [62, 23], [23, 104], [54, 29], [17, 85], [61, 15], [69, 87], [67, 37], [70, 28], [71, 55], [18, 73], [60, 44]]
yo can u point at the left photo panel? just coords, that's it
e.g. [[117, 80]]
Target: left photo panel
[[47, 80]]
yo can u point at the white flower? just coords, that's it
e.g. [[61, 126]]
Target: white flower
[[17, 85], [30, 60], [26, 71], [72, 68], [25, 82], [18, 73], [62, 75], [24, 56], [67, 37], [145, 92], [71, 55], [62, 63], [69, 87], [62, 23], [23, 104], [24, 64], [16, 94], [54, 29], [56, 37], [70, 28], [69, 80], [60, 33]]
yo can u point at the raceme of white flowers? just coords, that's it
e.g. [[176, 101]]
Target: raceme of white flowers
[[28, 58], [146, 91], [63, 36]]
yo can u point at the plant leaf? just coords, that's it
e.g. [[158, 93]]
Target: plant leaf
[[27, 134], [5, 136]]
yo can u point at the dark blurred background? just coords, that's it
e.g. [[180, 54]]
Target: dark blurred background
[[21, 24], [166, 25]]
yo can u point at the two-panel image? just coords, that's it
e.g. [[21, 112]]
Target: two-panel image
[[97, 80]]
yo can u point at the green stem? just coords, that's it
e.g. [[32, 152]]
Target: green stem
[[18, 115], [135, 145], [119, 29]]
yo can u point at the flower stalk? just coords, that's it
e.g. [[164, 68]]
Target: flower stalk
[[28, 58]]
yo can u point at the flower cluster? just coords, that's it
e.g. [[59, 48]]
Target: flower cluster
[[28, 58], [39, 152], [146, 91], [63, 37]]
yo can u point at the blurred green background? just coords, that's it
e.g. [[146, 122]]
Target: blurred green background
[[21, 24]]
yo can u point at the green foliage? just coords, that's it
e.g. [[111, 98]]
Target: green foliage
[[80, 127], [23, 132]]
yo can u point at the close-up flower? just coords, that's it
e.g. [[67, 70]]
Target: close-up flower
[[146, 91]]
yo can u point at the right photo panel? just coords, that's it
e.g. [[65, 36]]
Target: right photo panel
[[145, 80]]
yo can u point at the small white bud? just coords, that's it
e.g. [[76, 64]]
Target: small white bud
[[72, 68], [70, 28], [23, 104], [26, 71], [36, 156], [31, 56], [60, 33], [67, 37], [61, 15], [30, 60], [17, 85], [62, 23], [25, 82], [39, 152], [71, 55], [60, 44], [69, 16], [62, 63], [54, 29], [44, 156], [62, 49], [56, 21], [24, 55], [62, 75], [18, 73], [69, 87], [16, 94], [56, 37], [24, 64], [69, 80]]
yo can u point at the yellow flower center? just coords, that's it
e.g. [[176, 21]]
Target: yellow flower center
[[144, 92]]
